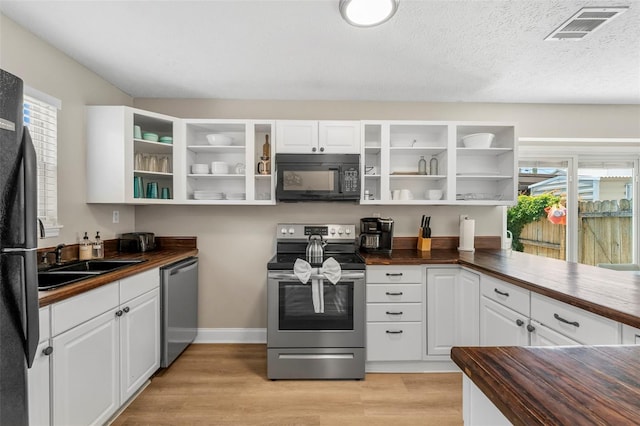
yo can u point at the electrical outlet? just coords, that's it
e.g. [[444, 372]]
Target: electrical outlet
[[376, 214], [116, 216]]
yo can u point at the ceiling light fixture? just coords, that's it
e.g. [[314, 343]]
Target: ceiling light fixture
[[367, 13]]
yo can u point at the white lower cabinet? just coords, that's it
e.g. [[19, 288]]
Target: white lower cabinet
[[501, 326], [106, 344], [394, 313], [39, 376], [541, 335], [452, 309], [630, 335]]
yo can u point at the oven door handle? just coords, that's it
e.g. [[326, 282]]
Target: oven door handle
[[346, 275]]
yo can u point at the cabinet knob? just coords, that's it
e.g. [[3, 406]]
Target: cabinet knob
[[313, 149], [119, 313], [519, 322], [531, 328], [126, 309], [321, 149], [48, 350]]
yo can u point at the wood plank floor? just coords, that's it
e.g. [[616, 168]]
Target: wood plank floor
[[227, 385]]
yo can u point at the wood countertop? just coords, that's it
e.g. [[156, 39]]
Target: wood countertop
[[612, 294], [152, 259], [557, 385]]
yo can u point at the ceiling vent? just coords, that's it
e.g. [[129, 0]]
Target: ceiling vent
[[585, 22]]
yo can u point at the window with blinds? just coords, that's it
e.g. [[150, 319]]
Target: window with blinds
[[42, 120]]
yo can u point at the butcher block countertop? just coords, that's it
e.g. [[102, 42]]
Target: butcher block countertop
[[170, 250], [575, 385], [612, 294]]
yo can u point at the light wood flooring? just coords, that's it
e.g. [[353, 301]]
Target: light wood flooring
[[226, 384]]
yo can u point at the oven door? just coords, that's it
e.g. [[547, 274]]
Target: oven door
[[293, 322]]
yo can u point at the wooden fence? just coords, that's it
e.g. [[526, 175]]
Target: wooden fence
[[604, 234]]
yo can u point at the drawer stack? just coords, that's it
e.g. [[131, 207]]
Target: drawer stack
[[394, 313]]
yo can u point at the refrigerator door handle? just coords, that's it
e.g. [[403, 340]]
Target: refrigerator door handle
[[30, 191], [32, 327]]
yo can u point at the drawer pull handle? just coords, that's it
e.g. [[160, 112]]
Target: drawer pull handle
[[519, 322], [501, 293], [394, 274], [394, 313], [394, 331], [559, 318], [392, 293], [531, 328]]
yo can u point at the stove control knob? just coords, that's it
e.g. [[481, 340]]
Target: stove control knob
[[283, 231], [340, 231], [291, 231], [333, 231], [347, 231]]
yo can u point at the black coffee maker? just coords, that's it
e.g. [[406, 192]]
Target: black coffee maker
[[376, 235]]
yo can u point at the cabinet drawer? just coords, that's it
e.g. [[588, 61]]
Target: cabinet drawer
[[76, 310], [394, 293], [576, 323], [398, 341], [138, 284], [385, 274], [392, 312], [509, 295]]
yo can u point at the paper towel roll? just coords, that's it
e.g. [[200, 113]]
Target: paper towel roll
[[467, 234]]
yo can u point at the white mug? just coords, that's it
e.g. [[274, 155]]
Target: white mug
[[396, 194], [434, 194], [405, 194]]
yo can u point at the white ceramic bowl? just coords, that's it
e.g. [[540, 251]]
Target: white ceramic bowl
[[434, 194], [478, 140], [200, 169], [219, 139], [219, 168]]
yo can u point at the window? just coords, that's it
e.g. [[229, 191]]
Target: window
[[41, 117], [596, 181]]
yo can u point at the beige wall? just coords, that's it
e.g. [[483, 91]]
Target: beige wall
[[235, 241], [50, 71]]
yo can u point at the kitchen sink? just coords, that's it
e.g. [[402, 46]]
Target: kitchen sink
[[50, 280], [95, 266], [67, 274]]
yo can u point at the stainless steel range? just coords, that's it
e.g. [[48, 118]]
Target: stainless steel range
[[316, 306]]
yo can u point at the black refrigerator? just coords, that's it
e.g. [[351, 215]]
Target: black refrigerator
[[19, 330]]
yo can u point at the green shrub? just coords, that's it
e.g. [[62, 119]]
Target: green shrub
[[529, 209]]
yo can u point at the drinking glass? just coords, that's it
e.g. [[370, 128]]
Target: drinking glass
[[153, 163], [165, 194], [138, 161], [163, 161], [152, 190], [137, 187]]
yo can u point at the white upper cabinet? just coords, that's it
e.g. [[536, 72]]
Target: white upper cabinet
[[320, 137], [119, 157], [228, 162], [392, 153]]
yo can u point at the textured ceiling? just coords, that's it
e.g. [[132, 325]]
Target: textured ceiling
[[437, 51]]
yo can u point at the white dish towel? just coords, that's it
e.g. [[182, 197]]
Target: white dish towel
[[330, 270]]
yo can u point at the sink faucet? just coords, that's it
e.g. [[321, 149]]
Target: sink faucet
[[57, 252]]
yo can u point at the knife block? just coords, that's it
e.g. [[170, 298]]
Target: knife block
[[424, 244]]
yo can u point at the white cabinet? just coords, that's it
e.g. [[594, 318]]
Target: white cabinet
[[322, 137], [470, 176], [231, 174], [39, 376], [452, 309], [630, 335], [501, 326], [115, 156], [394, 313], [106, 344]]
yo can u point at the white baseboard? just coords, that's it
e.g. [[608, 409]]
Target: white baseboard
[[231, 335]]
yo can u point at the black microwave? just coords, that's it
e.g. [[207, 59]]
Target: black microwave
[[317, 177]]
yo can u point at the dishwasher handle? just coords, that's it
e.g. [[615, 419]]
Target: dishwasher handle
[[182, 267]]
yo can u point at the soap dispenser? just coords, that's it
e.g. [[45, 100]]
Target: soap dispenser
[[84, 248], [98, 247]]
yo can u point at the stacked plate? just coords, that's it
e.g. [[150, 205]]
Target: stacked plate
[[236, 196], [208, 195], [219, 168], [200, 169]]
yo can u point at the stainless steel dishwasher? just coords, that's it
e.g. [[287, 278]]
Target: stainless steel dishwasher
[[179, 308]]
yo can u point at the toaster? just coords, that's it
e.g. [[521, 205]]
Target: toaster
[[136, 242]]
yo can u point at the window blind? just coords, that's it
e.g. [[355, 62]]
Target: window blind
[[42, 120]]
